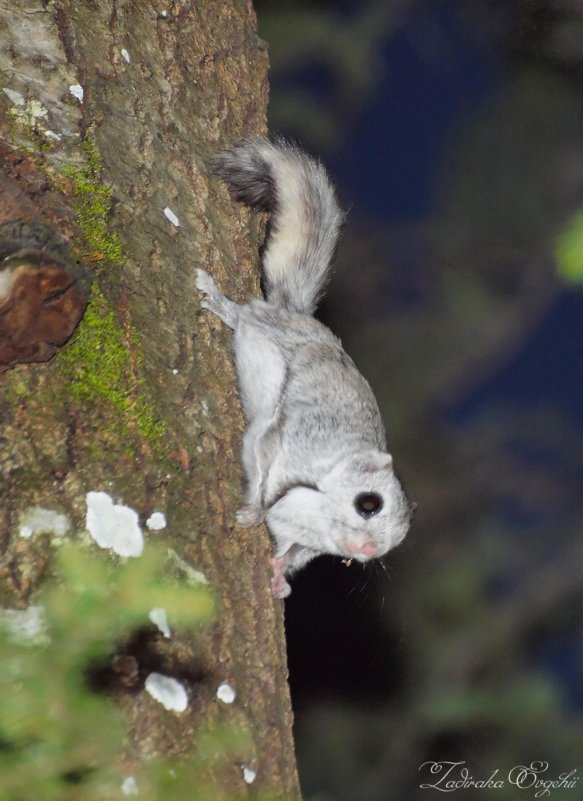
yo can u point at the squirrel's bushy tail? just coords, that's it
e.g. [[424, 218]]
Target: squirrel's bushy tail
[[305, 216]]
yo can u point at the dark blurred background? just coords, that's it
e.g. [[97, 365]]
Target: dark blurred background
[[455, 134]]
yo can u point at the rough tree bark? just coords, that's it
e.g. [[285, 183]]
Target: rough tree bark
[[109, 111]]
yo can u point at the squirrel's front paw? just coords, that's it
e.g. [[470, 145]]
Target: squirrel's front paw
[[204, 282], [250, 516], [279, 586]]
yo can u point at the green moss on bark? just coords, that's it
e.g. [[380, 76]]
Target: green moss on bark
[[100, 368], [92, 203], [102, 361]]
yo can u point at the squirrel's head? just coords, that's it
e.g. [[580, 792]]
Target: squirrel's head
[[357, 510], [368, 511]]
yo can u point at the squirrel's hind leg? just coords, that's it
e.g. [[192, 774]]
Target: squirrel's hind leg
[[215, 301]]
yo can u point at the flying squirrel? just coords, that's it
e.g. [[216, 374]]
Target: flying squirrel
[[314, 452]]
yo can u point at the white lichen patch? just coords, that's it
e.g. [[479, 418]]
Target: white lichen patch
[[77, 91], [169, 214], [14, 96], [35, 111], [26, 626], [156, 521], [168, 691], [113, 525], [249, 775], [52, 135], [37, 520], [129, 786], [125, 55], [160, 619], [29, 113], [226, 693]]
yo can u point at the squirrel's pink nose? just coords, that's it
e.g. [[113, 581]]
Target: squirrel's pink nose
[[368, 549], [365, 549]]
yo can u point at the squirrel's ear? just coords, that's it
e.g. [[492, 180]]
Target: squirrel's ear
[[362, 464], [378, 461]]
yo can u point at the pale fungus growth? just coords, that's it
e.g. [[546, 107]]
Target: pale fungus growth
[[156, 521], [113, 525], [77, 91], [249, 775], [129, 786], [169, 214], [167, 691], [226, 693], [159, 618]]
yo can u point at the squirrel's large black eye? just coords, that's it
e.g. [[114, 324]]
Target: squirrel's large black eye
[[368, 504]]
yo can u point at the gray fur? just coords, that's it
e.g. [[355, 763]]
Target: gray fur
[[277, 177], [315, 439]]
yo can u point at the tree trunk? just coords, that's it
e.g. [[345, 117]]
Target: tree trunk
[[109, 112]]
